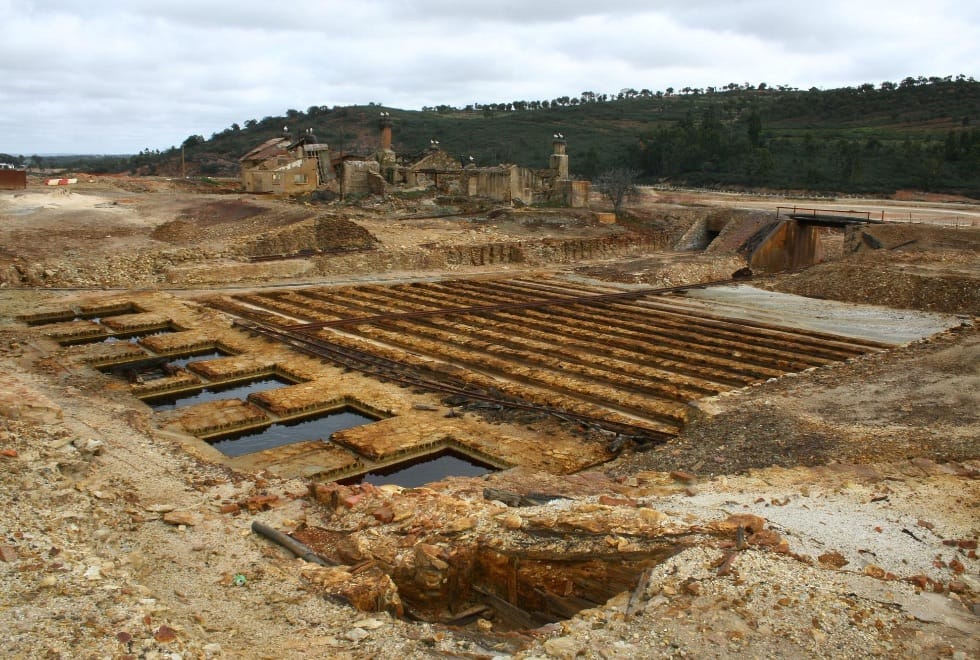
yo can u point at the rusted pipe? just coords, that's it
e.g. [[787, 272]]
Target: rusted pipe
[[302, 551]]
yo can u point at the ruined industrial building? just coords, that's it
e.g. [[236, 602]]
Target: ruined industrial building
[[288, 165], [467, 411]]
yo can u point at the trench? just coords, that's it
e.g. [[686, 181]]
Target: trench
[[278, 434], [236, 390], [132, 337], [152, 368], [423, 470], [518, 584], [86, 314]]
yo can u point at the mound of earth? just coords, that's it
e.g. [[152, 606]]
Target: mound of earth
[[215, 221], [920, 267], [327, 234], [904, 238], [903, 282]]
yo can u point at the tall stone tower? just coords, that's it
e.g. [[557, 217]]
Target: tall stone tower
[[559, 159]]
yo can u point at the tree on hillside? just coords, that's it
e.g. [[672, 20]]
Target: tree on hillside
[[754, 128], [618, 184]]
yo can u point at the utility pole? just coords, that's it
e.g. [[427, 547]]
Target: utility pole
[[183, 172]]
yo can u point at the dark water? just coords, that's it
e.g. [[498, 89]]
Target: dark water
[[153, 368], [424, 470], [184, 361], [98, 316], [131, 338], [238, 390], [286, 433], [70, 316]]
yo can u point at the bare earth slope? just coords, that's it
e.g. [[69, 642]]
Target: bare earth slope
[[832, 513]]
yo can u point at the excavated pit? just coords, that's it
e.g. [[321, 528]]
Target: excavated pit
[[155, 367], [423, 470], [237, 390], [83, 313], [319, 428], [547, 372], [519, 560], [102, 330]]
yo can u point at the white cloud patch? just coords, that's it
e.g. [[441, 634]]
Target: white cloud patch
[[110, 77]]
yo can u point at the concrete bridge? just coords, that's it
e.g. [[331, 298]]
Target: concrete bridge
[[793, 241], [826, 217]]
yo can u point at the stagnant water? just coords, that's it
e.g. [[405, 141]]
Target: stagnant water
[[153, 368], [286, 433], [132, 338], [238, 390], [184, 361], [424, 470]]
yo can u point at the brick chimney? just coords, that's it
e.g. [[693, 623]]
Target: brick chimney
[[559, 156], [384, 123]]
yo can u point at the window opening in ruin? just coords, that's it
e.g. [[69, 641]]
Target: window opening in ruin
[[320, 427], [424, 470], [236, 390]]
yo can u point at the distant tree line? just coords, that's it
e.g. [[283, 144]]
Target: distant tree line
[[842, 139], [919, 132]]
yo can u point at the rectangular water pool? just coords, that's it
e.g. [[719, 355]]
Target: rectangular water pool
[[424, 470], [286, 433]]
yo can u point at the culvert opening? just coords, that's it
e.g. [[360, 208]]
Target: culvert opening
[[321, 427], [236, 390], [423, 470]]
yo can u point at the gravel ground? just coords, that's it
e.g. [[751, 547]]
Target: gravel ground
[[115, 542]]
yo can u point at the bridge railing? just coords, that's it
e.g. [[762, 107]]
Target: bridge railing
[[798, 210], [890, 216]]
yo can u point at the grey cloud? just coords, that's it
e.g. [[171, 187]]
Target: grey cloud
[[108, 76]]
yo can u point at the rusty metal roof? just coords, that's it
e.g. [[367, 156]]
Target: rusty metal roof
[[268, 149]]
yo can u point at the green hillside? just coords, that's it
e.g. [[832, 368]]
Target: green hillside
[[920, 133]]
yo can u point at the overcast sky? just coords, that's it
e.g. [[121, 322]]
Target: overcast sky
[[100, 76]]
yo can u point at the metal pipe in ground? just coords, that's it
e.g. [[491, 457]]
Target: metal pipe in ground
[[300, 550]]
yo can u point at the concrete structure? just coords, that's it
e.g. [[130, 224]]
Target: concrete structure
[[502, 183], [790, 245]]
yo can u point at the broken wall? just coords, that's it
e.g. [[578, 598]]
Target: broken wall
[[354, 179], [297, 176]]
